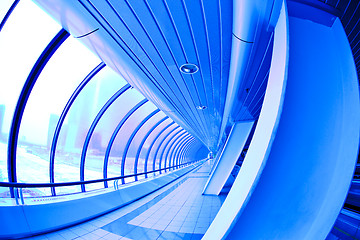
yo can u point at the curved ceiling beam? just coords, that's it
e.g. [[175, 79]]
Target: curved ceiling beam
[[142, 144], [7, 15], [158, 148], [176, 148], [167, 146], [62, 118], [126, 149], [186, 150], [173, 139], [151, 146], [181, 150], [41, 62], [94, 124], [113, 136]]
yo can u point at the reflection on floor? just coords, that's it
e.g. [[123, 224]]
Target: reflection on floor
[[178, 211]]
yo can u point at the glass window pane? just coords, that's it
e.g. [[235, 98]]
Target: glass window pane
[[139, 138], [158, 148], [125, 133], [18, 55], [165, 146], [147, 144], [63, 73], [77, 123], [134, 146], [102, 135]]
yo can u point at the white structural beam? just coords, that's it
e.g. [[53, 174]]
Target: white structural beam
[[299, 166], [228, 157]]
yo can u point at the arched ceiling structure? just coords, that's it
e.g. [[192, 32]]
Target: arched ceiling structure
[[148, 42]]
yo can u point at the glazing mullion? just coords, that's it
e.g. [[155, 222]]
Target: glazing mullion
[[93, 126], [113, 136], [188, 151], [176, 147], [181, 148], [172, 148], [50, 49], [165, 147], [166, 159], [62, 118], [184, 151], [130, 140], [157, 150], [142, 144], [7, 15], [151, 146]]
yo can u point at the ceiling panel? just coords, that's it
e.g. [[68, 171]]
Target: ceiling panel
[[161, 36]]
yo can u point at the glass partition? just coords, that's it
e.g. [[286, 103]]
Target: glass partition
[[135, 144], [100, 120], [76, 126], [25, 35]]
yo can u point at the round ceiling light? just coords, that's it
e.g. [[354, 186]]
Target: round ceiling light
[[189, 68], [201, 107]]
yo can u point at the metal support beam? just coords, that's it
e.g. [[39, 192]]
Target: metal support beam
[[142, 144], [178, 154], [126, 149], [151, 146], [166, 159], [185, 151], [62, 119], [7, 15], [113, 136], [94, 124], [158, 148], [176, 146], [228, 158], [50, 49]]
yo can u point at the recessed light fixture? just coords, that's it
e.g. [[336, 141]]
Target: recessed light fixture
[[201, 107], [189, 68]]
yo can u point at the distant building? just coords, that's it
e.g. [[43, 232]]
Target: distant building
[[2, 114]]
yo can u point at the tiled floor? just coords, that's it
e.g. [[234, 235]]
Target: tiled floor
[[178, 211]]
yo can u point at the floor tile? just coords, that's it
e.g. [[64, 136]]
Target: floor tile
[[178, 211]]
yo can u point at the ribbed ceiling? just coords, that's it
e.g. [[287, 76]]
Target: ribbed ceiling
[[148, 41], [161, 36]]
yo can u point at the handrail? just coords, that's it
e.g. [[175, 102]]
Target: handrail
[[40, 185]]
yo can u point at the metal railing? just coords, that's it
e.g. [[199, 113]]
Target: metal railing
[[19, 198]]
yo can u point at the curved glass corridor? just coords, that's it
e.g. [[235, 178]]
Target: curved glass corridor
[[74, 119], [179, 119]]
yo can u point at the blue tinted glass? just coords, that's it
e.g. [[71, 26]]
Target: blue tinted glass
[[145, 149], [136, 118], [157, 148], [76, 126], [62, 74], [139, 138], [121, 107], [18, 55]]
